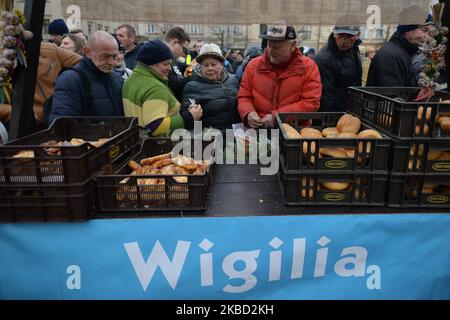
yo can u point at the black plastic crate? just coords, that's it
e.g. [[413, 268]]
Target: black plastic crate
[[422, 155], [121, 191], [419, 190], [308, 188], [74, 164], [393, 110], [369, 155], [41, 203]]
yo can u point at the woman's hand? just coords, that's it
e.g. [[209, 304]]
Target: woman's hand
[[196, 111]]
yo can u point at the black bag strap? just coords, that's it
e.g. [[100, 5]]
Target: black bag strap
[[86, 83]]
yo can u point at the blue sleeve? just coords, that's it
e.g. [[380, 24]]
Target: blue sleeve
[[68, 98]]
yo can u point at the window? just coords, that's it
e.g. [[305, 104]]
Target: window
[[151, 28], [194, 29], [237, 30], [99, 27], [89, 27], [305, 32]]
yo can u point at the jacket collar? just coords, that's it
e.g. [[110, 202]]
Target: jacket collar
[[91, 67], [296, 67], [410, 48], [146, 71]]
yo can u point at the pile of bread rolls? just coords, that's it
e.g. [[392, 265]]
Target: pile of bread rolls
[[53, 147], [164, 164], [347, 127]]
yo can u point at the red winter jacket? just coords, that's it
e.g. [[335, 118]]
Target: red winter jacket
[[297, 89]]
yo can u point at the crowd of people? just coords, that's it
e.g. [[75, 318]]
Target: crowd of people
[[166, 86]]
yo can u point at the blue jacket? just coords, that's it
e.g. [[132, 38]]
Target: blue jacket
[[106, 91]]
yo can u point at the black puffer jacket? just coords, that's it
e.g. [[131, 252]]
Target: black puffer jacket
[[338, 71], [217, 98], [392, 65]]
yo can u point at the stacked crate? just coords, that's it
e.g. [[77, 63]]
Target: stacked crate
[[125, 191], [420, 154], [39, 182], [304, 171]]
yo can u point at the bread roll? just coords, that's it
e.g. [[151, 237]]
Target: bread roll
[[433, 154], [369, 134], [445, 125], [350, 153], [24, 154], [309, 133], [151, 160], [430, 185], [348, 123], [445, 156], [336, 186], [347, 135], [330, 132], [427, 190], [334, 152], [290, 131], [445, 189]]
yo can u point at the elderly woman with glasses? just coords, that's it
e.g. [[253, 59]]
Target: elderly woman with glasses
[[214, 89]]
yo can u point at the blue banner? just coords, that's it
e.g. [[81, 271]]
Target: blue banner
[[403, 256]]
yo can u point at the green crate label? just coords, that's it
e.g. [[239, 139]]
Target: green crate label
[[437, 199], [334, 197], [114, 152], [336, 164], [441, 166]]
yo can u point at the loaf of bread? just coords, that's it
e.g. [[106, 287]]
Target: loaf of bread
[[290, 131], [433, 154], [369, 134], [334, 152], [348, 123], [336, 186], [347, 135], [330, 132], [310, 133]]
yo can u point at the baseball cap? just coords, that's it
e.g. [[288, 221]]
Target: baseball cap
[[279, 32], [353, 30]]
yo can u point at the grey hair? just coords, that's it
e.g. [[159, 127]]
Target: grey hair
[[100, 35]]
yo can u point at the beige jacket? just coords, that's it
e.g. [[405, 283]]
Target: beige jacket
[[51, 60]]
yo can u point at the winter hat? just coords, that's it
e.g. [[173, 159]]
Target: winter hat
[[154, 52], [210, 49], [410, 14], [58, 27]]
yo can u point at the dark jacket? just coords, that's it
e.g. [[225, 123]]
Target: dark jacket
[[217, 98], [392, 65], [69, 97], [177, 80], [131, 57], [338, 71]]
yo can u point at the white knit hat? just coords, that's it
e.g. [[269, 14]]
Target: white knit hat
[[211, 50]]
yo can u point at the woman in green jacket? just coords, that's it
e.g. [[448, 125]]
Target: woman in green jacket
[[147, 96]]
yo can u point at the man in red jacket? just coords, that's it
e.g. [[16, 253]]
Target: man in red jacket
[[281, 80]]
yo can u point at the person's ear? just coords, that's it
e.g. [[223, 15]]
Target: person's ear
[[87, 51]]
